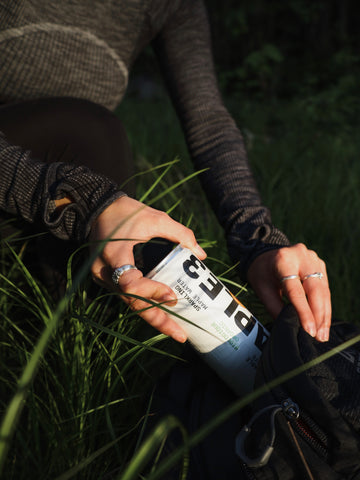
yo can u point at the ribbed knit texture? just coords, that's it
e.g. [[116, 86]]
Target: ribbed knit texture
[[29, 188], [86, 49]]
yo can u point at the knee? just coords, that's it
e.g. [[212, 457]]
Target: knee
[[90, 122], [97, 139], [70, 130], [91, 135]]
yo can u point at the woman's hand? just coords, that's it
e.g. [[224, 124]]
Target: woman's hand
[[128, 222], [310, 296]]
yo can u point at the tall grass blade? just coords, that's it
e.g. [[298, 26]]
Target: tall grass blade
[[13, 411], [152, 444], [175, 185], [155, 184]]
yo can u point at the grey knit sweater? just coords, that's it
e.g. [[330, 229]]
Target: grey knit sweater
[[85, 49]]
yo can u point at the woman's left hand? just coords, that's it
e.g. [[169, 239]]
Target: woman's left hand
[[310, 295]]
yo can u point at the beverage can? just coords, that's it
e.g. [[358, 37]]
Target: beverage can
[[218, 325]]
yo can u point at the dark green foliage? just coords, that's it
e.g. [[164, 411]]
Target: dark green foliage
[[287, 48], [289, 71]]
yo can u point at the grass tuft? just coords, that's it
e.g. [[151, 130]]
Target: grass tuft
[[77, 376]]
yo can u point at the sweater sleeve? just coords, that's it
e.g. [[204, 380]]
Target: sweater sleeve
[[29, 188], [184, 51]]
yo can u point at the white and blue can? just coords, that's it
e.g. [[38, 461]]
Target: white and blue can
[[219, 327]]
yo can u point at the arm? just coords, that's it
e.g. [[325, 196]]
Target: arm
[[214, 141], [32, 190], [74, 203]]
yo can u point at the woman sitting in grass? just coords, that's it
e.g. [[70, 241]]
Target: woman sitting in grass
[[63, 153]]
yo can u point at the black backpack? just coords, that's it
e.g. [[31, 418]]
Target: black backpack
[[307, 427]]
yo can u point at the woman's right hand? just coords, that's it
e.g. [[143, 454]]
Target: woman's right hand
[[125, 223]]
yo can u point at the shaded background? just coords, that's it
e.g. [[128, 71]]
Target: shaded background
[[280, 48], [285, 48], [289, 73]]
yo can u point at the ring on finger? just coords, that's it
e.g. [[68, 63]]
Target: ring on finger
[[318, 275], [118, 272], [289, 277]]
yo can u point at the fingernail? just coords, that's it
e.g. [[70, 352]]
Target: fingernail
[[311, 331], [179, 337], [169, 298], [323, 335], [199, 252]]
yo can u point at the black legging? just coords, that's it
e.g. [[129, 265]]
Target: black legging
[[66, 130], [70, 130]]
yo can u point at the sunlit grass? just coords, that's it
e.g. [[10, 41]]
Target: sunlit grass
[[77, 374], [77, 377]]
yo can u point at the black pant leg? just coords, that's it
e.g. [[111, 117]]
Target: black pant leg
[[70, 130], [73, 131]]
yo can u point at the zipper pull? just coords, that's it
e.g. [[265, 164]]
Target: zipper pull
[[290, 409]]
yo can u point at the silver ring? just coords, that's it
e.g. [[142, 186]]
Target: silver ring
[[318, 275], [290, 277], [120, 271]]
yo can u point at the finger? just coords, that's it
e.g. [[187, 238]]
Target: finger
[[140, 293], [294, 291], [319, 298], [176, 232], [134, 283], [316, 291], [131, 281], [156, 317], [324, 330], [116, 254]]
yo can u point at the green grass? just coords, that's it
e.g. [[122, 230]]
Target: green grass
[[76, 378], [305, 160], [306, 165]]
